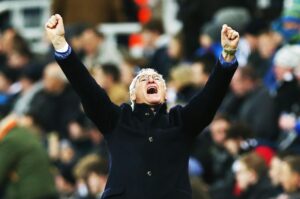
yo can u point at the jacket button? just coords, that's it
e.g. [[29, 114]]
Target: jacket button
[[149, 173], [150, 139]]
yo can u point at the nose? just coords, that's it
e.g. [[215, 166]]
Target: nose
[[150, 79]]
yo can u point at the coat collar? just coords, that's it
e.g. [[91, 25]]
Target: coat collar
[[148, 110]]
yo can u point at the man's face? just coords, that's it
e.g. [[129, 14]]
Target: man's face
[[289, 179], [275, 170], [150, 89], [244, 176], [218, 130], [90, 42]]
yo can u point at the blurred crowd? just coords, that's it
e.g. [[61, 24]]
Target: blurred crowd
[[251, 150]]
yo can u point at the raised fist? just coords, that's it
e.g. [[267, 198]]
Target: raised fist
[[55, 31], [229, 37]]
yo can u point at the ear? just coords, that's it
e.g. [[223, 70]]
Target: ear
[[133, 96]]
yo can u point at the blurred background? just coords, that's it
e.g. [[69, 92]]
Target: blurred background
[[251, 150]]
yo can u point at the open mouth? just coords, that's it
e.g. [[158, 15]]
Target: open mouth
[[152, 90]]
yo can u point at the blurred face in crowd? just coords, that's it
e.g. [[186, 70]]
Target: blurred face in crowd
[[232, 146], [275, 171], [239, 85], [90, 42], [200, 77], [290, 180], [267, 44], [96, 183], [127, 73], [53, 79], [205, 40], [218, 130], [16, 60], [105, 81], [174, 49], [244, 176], [281, 72], [150, 88], [149, 38]]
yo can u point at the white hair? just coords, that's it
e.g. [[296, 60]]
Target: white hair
[[140, 73]]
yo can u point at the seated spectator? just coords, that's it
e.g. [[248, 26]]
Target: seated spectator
[[250, 172], [182, 82], [25, 168], [215, 160], [236, 140], [85, 170], [275, 172], [96, 177], [287, 93], [56, 104], [30, 84], [155, 47], [175, 50], [97, 50], [290, 178], [202, 68], [108, 76], [251, 103], [8, 91]]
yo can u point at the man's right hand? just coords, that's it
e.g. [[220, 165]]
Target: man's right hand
[[56, 32]]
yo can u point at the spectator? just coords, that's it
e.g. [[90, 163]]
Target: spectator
[[8, 91], [202, 68], [290, 177], [289, 26], [97, 50], [108, 76], [250, 172], [57, 104], [30, 85], [275, 172], [155, 47], [183, 83], [96, 177], [21, 153], [215, 159], [251, 103], [175, 50]]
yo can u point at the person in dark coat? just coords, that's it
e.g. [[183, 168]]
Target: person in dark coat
[[57, 100], [149, 147]]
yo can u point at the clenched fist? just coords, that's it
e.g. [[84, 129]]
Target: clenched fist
[[55, 31], [229, 40]]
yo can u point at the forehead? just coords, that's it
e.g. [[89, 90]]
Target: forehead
[[146, 73]]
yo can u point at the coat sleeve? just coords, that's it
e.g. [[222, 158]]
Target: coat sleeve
[[8, 157], [95, 100], [199, 112]]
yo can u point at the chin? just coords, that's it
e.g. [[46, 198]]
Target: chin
[[153, 100]]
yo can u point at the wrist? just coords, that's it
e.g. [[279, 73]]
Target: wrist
[[59, 43], [228, 55]]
